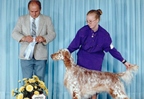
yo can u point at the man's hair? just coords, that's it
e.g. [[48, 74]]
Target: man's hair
[[35, 1]]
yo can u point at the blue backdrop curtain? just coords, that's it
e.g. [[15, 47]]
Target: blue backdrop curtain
[[123, 19]]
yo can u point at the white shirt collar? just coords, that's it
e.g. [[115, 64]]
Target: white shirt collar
[[36, 19]]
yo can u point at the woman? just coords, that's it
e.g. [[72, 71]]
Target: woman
[[92, 41]]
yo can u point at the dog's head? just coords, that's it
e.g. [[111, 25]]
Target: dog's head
[[60, 55], [64, 55]]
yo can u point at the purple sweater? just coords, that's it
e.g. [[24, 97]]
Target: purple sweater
[[91, 47]]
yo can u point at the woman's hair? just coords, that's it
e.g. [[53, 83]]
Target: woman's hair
[[97, 12], [36, 2]]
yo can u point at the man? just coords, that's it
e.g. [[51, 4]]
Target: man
[[34, 28]]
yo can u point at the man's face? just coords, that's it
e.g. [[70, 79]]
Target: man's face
[[34, 10]]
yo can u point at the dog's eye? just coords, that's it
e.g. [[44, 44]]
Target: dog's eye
[[61, 56]]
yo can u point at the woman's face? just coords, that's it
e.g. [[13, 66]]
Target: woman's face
[[92, 21]]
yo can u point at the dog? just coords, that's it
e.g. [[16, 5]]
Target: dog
[[83, 83]]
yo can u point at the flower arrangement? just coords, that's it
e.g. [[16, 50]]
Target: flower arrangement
[[32, 86]]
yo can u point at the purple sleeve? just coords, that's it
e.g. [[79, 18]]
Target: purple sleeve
[[112, 51], [107, 41], [79, 39], [75, 44], [116, 54]]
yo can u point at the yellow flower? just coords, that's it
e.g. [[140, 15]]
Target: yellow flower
[[41, 82], [24, 79], [36, 93], [35, 87], [29, 88], [26, 84], [31, 85], [20, 96], [21, 89], [31, 81], [46, 90], [42, 85], [12, 92], [35, 77]]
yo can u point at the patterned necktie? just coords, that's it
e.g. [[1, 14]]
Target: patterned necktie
[[33, 28]]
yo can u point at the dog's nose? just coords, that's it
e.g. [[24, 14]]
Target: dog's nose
[[52, 56]]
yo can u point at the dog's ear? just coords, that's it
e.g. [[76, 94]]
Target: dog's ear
[[67, 60], [66, 54]]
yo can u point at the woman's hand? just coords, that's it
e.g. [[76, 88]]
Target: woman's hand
[[127, 64]]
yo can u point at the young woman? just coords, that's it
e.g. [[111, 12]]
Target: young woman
[[92, 41]]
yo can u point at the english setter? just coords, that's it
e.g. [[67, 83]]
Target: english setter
[[83, 83]]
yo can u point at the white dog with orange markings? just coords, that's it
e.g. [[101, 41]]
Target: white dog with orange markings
[[83, 83]]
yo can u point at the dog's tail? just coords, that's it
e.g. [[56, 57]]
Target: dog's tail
[[128, 75]]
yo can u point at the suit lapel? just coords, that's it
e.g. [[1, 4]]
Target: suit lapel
[[28, 25], [41, 23]]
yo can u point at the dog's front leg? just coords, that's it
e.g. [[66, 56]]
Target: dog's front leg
[[76, 95]]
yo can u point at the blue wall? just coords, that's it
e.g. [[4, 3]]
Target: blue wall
[[123, 19]]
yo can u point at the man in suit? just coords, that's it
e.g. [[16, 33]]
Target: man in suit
[[44, 33]]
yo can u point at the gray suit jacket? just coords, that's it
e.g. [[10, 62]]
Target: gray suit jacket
[[45, 29]]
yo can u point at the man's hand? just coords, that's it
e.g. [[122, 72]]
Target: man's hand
[[27, 39], [40, 39]]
